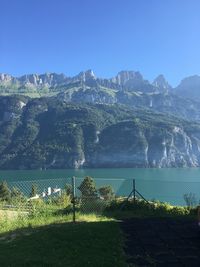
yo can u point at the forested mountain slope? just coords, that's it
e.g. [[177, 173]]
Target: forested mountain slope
[[50, 133]]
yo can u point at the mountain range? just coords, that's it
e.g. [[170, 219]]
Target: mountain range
[[127, 87], [124, 81], [55, 121]]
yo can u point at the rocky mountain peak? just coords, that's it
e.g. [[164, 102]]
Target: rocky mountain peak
[[5, 77], [191, 81], [189, 87], [124, 76], [132, 81], [86, 75], [161, 83]]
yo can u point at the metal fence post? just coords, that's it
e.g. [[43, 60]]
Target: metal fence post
[[134, 196], [73, 198]]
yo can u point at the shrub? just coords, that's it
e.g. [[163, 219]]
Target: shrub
[[5, 194], [106, 192], [88, 187]]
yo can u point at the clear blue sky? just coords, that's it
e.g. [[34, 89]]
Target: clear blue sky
[[68, 36]]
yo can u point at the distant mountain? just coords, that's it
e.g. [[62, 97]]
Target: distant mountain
[[34, 80], [48, 133], [127, 88], [124, 80], [189, 88], [132, 81]]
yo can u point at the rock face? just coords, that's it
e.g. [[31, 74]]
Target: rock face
[[126, 88], [5, 78], [47, 79], [125, 80], [189, 87], [161, 102], [161, 84], [49, 133], [172, 147], [132, 81]]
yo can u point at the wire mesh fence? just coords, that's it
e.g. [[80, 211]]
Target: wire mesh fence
[[35, 194], [170, 191], [92, 195]]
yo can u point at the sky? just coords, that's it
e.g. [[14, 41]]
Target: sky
[[69, 36]]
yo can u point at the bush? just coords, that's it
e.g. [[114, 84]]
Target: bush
[[5, 194], [106, 192], [63, 200], [179, 211], [88, 187]]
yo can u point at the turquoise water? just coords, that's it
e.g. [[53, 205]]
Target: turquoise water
[[162, 184]]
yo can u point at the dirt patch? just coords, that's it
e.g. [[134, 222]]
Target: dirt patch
[[162, 242]]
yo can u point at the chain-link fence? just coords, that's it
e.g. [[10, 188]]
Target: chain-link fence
[[173, 192], [92, 195], [49, 194]]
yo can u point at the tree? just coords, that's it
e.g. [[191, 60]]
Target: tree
[[106, 192], [88, 187], [4, 191], [34, 190]]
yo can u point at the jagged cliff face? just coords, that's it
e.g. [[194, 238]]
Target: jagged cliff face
[[48, 133], [133, 145], [126, 88], [161, 84], [160, 102], [124, 80]]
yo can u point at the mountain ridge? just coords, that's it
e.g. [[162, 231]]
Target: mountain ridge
[[53, 79], [125, 80], [126, 88]]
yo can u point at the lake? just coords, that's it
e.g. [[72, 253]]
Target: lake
[[165, 184]]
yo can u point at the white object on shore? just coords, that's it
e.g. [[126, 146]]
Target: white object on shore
[[49, 191], [35, 197], [43, 194], [56, 190]]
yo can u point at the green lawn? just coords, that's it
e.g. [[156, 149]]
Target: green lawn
[[67, 244], [47, 237]]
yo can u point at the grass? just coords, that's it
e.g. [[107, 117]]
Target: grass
[[8, 224], [47, 236], [67, 244]]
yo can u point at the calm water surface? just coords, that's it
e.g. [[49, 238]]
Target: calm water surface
[[162, 184]]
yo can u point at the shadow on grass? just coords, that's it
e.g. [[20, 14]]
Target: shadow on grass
[[66, 244], [162, 241]]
